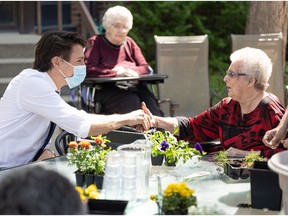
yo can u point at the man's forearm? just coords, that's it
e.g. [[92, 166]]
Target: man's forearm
[[284, 120], [104, 124]]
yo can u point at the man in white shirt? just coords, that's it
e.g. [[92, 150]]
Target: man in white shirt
[[30, 101]]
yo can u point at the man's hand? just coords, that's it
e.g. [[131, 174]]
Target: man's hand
[[138, 117], [274, 137]]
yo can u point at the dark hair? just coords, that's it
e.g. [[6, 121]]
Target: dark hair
[[36, 190], [55, 43]]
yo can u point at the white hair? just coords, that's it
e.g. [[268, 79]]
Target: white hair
[[255, 63], [115, 13]]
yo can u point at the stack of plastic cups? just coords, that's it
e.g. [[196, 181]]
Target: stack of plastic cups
[[112, 178], [143, 171], [128, 175]]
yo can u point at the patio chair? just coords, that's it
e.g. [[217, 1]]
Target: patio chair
[[271, 44], [62, 141], [117, 137], [185, 60]]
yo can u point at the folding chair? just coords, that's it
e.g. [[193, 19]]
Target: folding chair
[[185, 60], [271, 44]]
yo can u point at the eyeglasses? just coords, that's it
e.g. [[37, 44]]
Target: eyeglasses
[[233, 74], [120, 27]]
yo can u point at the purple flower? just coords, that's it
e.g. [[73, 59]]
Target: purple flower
[[152, 130], [198, 147], [163, 145]]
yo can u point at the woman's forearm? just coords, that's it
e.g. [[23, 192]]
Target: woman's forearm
[[167, 123]]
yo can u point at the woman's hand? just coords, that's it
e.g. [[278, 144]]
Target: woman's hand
[[120, 70], [130, 73], [167, 123], [140, 119], [124, 72], [154, 119]]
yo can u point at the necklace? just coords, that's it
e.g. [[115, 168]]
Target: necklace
[[250, 107]]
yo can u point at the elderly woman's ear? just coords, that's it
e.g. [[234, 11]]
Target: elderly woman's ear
[[251, 81]]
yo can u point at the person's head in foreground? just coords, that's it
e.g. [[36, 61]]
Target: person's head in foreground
[[38, 191]]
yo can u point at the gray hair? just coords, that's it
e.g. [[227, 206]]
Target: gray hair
[[255, 63], [116, 12]]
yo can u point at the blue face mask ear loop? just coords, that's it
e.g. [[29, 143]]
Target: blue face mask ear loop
[[62, 73]]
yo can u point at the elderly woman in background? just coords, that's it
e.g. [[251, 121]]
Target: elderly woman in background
[[114, 54], [240, 120]]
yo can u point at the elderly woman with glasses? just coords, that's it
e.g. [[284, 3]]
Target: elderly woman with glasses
[[240, 120], [115, 54]]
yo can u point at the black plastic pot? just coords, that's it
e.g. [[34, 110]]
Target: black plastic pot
[[158, 160], [80, 179], [265, 189], [107, 207], [234, 170]]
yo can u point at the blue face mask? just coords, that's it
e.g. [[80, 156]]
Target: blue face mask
[[78, 76]]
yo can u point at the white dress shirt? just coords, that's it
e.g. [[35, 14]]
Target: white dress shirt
[[26, 109]]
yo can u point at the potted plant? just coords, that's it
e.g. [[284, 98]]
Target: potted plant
[[90, 160], [166, 144], [237, 168], [265, 189], [220, 158], [176, 199], [158, 147]]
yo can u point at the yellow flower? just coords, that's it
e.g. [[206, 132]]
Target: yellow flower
[[168, 191], [181, 189], [81, 193], [184, 193], [153, 197], [79, 189], [82, 197], [93, 195], [177, 198], [90, 192], [90, 188]]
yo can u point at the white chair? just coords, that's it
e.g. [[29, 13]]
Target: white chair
[[185, 60], [271, 44]]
